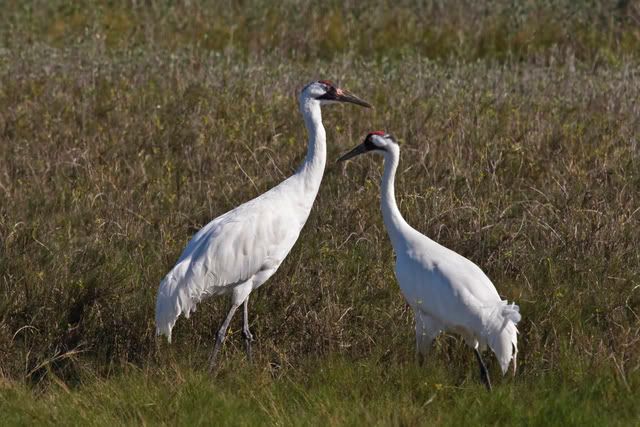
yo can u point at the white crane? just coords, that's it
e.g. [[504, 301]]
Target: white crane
[[446, 291], [241, 249]]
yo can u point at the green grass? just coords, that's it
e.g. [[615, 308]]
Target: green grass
[[126, 127], [326, 392]]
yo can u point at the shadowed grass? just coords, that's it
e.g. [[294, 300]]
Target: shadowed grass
[[304, 30]]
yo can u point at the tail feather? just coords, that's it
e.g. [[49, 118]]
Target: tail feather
[[168, 308], [173, 300], [502, 334]]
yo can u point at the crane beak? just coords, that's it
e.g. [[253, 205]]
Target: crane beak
[[360, 149], [342, 95]]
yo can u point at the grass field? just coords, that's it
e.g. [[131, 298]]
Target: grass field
[[125, 126]]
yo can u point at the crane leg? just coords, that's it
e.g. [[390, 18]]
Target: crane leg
[[423, 344], [484, 373], [246, 333], [222, 333], [427, 328]]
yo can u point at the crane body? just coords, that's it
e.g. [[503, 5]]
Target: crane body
[[446, 291], [240, 250]]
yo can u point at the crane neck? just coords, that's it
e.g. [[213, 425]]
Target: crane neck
[[313, 166], [393, 220]]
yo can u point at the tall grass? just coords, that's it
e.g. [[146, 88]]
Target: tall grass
[[122, 133]]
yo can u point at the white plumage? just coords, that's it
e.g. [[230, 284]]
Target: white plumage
[[235, 252], [446, 291], [239, 250]]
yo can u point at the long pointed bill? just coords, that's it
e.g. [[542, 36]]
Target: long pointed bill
[[360, 149], [345, 96]]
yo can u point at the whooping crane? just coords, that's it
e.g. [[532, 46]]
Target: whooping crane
[[241, 249], [446, 291]]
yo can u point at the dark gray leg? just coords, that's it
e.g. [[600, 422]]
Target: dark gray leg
[[484, 374], [222, 333], [246, 333]]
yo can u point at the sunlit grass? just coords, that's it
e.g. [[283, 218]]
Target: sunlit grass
[[333, 392]]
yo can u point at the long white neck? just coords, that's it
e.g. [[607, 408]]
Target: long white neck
[[312, 168], [393, 220]]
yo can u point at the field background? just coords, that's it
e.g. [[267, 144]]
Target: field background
[[127, 125]]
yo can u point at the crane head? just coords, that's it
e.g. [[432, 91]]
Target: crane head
[[327, 92], [377, 142]]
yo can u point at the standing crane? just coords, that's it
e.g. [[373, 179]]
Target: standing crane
[[240, 250], [446, 291]]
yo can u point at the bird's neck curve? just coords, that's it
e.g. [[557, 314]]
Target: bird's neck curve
[[312, 168], [393, 220]]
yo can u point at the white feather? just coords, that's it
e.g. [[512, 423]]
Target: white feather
[[239, 250], [229, 251], [446, 291]]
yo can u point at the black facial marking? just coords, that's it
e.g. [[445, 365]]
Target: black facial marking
[[331, 94], [369, 145]]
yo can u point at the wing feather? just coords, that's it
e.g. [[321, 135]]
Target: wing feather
[[228, 251]]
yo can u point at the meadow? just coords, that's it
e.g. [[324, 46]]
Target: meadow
[[125, 126]]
